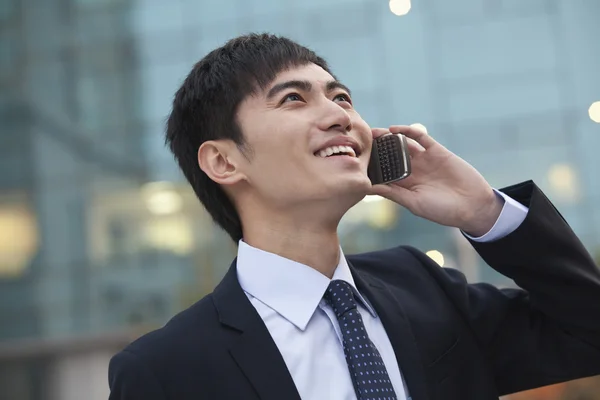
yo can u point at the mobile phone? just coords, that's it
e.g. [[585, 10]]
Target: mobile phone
[[390, 159]]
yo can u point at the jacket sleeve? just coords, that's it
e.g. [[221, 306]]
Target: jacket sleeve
[[130, 379], [548, 329]]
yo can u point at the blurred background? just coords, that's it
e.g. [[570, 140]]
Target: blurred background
[[102, 240]]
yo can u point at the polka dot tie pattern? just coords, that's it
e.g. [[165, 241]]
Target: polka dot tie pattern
[[368, 373]]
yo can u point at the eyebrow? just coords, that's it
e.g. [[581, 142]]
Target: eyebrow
[[305, 86]]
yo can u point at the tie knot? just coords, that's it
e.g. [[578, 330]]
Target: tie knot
[[340, 297]]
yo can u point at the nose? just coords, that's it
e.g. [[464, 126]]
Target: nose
[[335, 118]]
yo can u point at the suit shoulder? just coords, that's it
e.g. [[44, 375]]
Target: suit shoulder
[[385, 259], [164, 360], [399, 263], [195, 324]]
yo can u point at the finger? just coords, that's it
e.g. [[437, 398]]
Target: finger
[[415, 132], [419, 126], [379, 132], [419, 133], [414, 148], [380, 190], [399, 128], [404, 128]]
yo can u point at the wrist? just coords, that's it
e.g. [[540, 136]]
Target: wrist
[[484, 218]]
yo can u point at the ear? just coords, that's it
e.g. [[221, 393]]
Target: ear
[[221, 161]]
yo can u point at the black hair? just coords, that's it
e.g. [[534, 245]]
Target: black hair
[[205, 108]]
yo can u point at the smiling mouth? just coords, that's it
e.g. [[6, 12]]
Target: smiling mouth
[[333, 151]]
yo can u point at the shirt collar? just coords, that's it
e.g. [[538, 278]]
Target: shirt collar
[[292, 289]]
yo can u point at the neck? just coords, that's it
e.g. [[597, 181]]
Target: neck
[[308, 239]]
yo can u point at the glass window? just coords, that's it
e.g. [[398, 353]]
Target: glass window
[[106, 87], [359, 73], [8, 56], [456, 11], [89, 103], [48, 84], [89, 3], [43, 27], [369, 106], [103, 24], [19, 237], [159, 16], [165, 48], [14, 160], [337, 6], [541, 130], [159, 84], [518, 8], [8, 10], [12, 165], [202, 13], [478, 51]]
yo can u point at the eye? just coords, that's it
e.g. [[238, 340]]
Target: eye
[[343, 97], [292, 97]]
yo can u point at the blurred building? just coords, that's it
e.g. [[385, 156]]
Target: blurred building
[[102, 240]]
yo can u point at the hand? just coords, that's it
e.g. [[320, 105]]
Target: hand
[[442, 187]]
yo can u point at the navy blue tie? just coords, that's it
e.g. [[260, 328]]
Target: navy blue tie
[[368, 373]]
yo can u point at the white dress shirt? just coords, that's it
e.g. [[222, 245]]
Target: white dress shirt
[[289, 298]]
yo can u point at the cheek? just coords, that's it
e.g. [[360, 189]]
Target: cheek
[[285, 176], [362, 128], [281, 141], [280, 163]]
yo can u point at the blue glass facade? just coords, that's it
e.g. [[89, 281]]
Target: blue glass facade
[[98, 230]]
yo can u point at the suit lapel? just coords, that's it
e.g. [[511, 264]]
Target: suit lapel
[[398, 329], [253, 350]]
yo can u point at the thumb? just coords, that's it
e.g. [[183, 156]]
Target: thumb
[[380, 190]]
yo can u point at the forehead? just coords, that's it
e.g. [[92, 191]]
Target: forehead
[[309, 72]]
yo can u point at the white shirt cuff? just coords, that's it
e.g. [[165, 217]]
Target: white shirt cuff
[[511, 217]]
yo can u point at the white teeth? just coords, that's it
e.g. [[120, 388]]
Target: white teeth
[[337, 149]]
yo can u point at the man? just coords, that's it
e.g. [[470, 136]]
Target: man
[[276, 152]]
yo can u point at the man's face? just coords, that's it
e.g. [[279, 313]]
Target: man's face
[[308, 143]]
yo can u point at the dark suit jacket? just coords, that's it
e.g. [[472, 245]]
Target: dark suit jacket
[[452, 340]]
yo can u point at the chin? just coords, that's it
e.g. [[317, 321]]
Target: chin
[[359, 183]]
